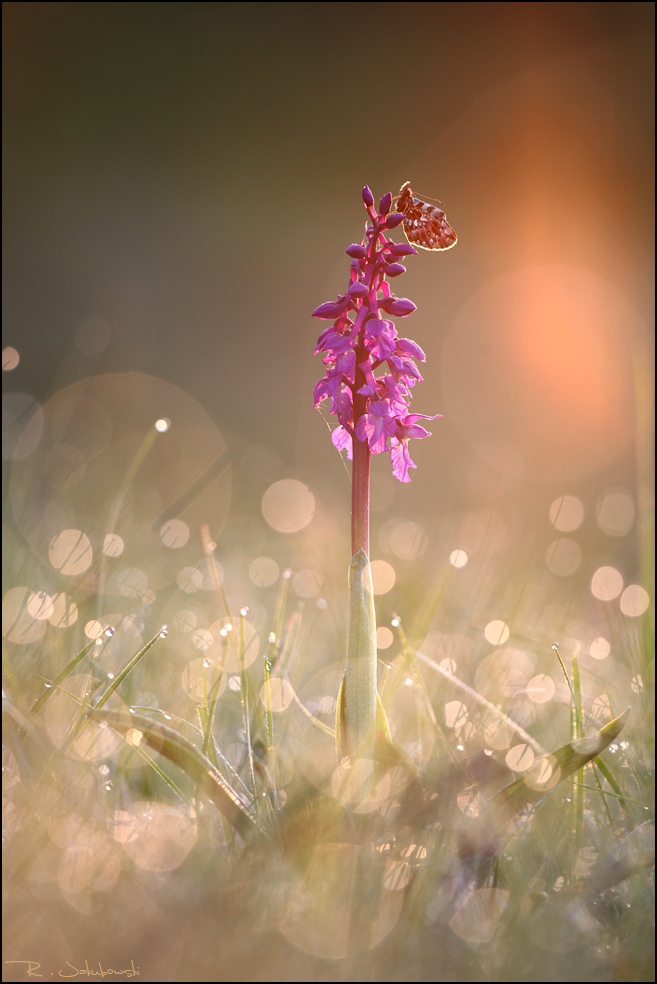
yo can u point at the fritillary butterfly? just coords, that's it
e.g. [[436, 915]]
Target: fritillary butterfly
[[425, 225]]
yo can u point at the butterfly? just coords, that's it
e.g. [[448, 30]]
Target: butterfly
[[425, 225]]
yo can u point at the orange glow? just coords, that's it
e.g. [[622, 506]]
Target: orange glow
[[538, 371]]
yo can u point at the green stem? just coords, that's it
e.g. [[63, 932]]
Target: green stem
[[245, 709], [270, 732], [360, 706]]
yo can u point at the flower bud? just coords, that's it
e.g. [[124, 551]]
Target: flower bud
[[401, 307], [368, 197], [394, 219], [356, 252], [330, 309], [394, 269], [401, 249], [385, 203]]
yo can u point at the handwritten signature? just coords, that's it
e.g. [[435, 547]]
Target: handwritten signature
[[70, 971]]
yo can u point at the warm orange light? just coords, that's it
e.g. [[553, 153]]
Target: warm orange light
[[538, 371]]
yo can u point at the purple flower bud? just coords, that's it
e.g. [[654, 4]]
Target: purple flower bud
[[368, 197], [358, 289], [401, 249], [330, 309], [394, 219], [356, 252], [401, 307], [394, 269], [385, 203]]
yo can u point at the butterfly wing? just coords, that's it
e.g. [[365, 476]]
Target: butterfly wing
[[425, 225]]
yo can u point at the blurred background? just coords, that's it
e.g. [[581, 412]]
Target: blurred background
[[181, 181]]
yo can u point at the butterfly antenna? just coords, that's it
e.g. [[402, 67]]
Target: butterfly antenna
[[426, 198]]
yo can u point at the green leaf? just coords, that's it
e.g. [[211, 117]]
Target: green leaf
[[550, 770], [382, 726], [41, 701], [186, 756], [341, 720]]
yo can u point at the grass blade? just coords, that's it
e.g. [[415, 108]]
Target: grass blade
[[187, 757]]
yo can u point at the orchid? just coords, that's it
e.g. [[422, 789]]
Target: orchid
[[372, 409], [370, 375]]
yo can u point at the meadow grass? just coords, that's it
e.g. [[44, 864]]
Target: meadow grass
[[178, 803]]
